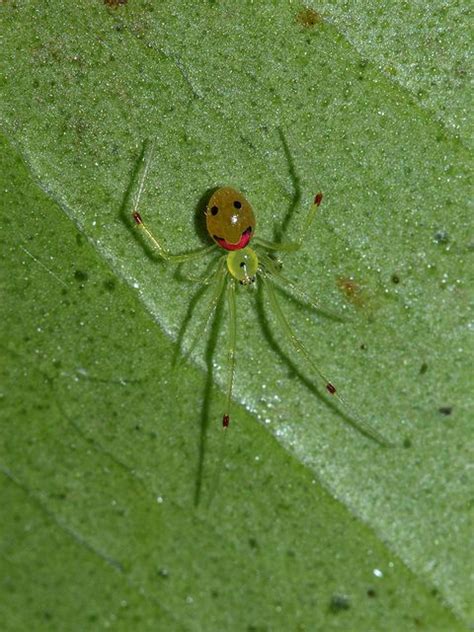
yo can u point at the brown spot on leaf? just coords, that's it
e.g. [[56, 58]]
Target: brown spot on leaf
[[308, 17], [353, 291], [115, 3]]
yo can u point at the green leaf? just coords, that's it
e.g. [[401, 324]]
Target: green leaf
[[106, 445]]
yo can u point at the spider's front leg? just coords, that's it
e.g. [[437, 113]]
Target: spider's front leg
[[158, 247], [293, 246], [161, 250]]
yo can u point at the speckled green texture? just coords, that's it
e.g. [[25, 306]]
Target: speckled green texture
[[101, 438], [424, 47]]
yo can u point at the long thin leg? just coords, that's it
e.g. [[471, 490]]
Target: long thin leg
[[231, 350], [147, 159], [230, 379], [282, 246], [292, 246], [298, 292], [206, 277], [362, 425], [156, 245], [220, 273]]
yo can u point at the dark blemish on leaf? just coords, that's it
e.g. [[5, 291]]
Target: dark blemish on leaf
[[460, 70], [163, 572], [339, 603], [362, 67], [81, 276], [371, 593], [253, 543], [423, 368], [445, 410], [115, 3], [110, 285], [395, 279], [407, 443], [363, 347], [309, 17], [441, 237]]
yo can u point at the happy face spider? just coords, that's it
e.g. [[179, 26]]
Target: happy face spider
[[231, 223]]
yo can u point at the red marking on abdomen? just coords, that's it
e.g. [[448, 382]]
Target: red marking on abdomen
[[318, 198], [225, 421], [331, 388], [244, 240], [137, 217]]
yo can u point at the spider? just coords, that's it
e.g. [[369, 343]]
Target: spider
[[230, 223]]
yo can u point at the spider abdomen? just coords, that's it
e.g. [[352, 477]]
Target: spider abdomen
[[230, 220]]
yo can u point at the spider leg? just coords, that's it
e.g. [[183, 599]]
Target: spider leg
[[155, 244], [206, 277], [282, 246], [297, 291], [359, 423], [231, 348], [293, 246], [232, 339], [219, 274]]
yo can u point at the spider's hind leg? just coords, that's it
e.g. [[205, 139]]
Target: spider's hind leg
[[361, 425], [273, 268], [231, 349], [217, 276]]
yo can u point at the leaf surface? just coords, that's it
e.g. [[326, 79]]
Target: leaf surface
[[105, 444]]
